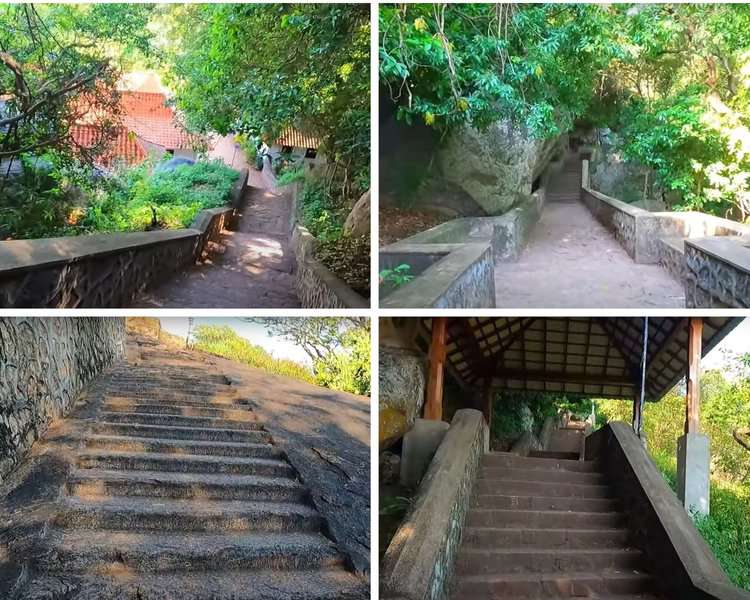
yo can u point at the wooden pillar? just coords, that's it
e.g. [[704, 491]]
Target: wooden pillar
[[693, 395], [433, 406]]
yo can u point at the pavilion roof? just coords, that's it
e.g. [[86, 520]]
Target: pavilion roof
[[578, 356]]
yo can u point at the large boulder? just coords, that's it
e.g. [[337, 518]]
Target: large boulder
[[402, 382], [496, 167], [358, 221]]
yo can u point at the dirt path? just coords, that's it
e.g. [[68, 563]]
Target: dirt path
[[254, 269], [572, 261]]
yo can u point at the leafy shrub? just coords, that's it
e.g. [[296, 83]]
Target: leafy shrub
[[176, 196], [249, 145], [397, 276], [224, 341], [291, 175], [322, 215]]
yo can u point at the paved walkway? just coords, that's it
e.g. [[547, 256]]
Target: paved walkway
[[252, 269], [572, 261]]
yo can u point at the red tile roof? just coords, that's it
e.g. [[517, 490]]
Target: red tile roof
[[149, 117], [294, 138], [125, 147]]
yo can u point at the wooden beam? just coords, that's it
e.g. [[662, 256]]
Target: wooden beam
[[488, 396], [558, 377], [433, 406], [693, 395]]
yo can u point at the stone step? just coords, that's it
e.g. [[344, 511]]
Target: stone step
[[513, 461], [481, 561], [144, 514], [553, 585], [542, 488], [173, 463], [505, 537], [314, 584], [143, 373], [123, 443], [557, 476], [181, 433], [230, 401], [500, 501], [179, 421], [539, 519], [157, 408], [558, 455], [160, 552], [90, 483]]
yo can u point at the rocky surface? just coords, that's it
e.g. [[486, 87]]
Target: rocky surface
[[358, 221], [402, 380], [494, 166]]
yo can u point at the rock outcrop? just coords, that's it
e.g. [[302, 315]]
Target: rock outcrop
[[496, 166], [358, 221]]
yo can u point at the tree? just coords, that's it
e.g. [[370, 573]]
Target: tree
[[56, 68], [258, 68]]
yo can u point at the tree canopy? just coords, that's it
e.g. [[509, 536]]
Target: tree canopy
[[672, 80], [59, 62], [258, 68]]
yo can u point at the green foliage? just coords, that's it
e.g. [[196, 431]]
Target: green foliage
[[291, 175], [537, 64], [177, 196], [517, 412], [397, 276], [249, 145], [224, 341], [259, 68], [725, 405], [348, 370], [320, 212]]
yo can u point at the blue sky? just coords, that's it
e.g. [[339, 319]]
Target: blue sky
[[254, 332]]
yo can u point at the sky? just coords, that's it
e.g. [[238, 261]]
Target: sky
[[737, 342], [253, 332]]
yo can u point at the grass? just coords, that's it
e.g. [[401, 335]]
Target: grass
[[223, 341]]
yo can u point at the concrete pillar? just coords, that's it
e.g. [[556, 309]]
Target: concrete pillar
[[419, 446], [693, 472]]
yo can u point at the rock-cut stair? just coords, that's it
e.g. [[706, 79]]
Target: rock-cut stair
[[179, 492], [541, 527]]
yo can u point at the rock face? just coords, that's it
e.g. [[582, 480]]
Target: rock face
[[402, 384], [44, 364], [495, 166], [358, 221]]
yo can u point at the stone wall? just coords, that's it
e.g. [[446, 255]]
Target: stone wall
[[454, 275], [104, 270], [618, 217], [418, 564], [717, 273], [315, 284], [45, 362]]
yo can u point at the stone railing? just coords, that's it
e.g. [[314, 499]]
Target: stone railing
[[453, 263], [105, 270], [708, 254], [683, 563], [418, 564], [44, 365], [316, 285]]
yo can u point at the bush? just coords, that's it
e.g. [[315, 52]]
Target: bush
[[322, 215], [129, 200], [224, 341], [348, 371]]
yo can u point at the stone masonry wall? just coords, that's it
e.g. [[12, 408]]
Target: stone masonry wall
[[44, 363]]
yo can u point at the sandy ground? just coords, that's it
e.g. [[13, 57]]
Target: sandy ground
[[572, 261]]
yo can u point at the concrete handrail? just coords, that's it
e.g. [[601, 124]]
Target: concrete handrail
[[661, 526], [418, 564]]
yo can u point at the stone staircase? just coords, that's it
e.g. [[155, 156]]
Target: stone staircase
[[178, 491], [565, 185], [547, 526]]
